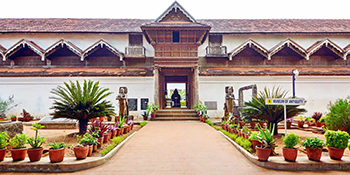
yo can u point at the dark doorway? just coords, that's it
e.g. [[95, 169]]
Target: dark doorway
[[180, 85]]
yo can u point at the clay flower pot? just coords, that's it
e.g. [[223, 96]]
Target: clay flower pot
[[153, 115], [35, 154], [106, 137], [100, 140], [90, 150], [336, 153], [56, 155], [318, 124], [119, 132], [290, 154], [94, 148], [2, 154], [314, 153], [125, 130], [241, 123], [18, 154], [13, 119], [301, 124], [255, 143], [81, 152], [289, 125], [113, 134], [263, 153], [262, 124], [252, 124]]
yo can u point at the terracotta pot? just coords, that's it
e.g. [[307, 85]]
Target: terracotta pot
[[289, 125], [18, 154], [201, 118], [153, 115], [145, 117], [106, 137], [100, 140], [255, 143], [323, 124], [318, 124], [20, 119], [119, 131], [301, 124], [314, 153], [122, 130], [109, 119], [336, 153], [94, 148], [56, 155], [90, 150], [262, 124], [252, 124], [27, 119], [132, 126], [81, 152], [230, 130], [241, 123], [263, 153], [125, 130], [13, 119], [113, 134], [290, 154], [2, 154], [35, 154], [223, 126]]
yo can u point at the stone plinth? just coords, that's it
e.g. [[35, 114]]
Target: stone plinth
[[58, 123], [12, 128]]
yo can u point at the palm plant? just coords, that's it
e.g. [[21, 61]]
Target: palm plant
[[81, 103], [257, 109]]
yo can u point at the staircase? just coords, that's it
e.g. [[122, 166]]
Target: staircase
[[176, 115]]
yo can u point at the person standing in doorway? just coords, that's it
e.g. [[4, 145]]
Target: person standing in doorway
[[176, 98]]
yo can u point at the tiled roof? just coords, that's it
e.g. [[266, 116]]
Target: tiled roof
[[77, 72], [267, 71], [218, 25]]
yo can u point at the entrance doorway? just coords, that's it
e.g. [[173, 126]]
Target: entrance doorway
[[176, 95], [176, 78]]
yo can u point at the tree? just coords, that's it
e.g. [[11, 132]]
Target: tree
[[81, 103], [257, 109]]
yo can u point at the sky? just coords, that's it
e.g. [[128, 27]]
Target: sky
[[199, 9]]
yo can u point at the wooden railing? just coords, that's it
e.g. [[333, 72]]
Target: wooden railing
[[135, 51], [216, 51]]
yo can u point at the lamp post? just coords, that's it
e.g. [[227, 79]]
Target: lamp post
[[295, 74]]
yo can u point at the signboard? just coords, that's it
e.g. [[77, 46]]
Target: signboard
[[285, 101]]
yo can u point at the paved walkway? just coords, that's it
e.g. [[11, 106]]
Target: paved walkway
[[180, 148]]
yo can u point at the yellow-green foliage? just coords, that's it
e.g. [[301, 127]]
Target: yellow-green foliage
[[116, 141], [142, 124]]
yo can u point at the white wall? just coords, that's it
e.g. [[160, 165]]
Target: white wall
[[33, 92], [317, 90]]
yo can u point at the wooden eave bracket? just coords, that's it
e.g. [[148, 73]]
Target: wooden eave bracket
[[63, 42], [290, 44], [22, 44], [331, 46], [251, 44]]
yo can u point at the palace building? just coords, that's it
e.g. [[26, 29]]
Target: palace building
[[150, 56]]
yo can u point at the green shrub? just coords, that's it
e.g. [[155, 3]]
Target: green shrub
[[4, 140], [337, 139], [254, 136], [209, 122], [18, 141], [217, 128], [245, 143], [117, 140], [313, 143], [338, 116], [290, 140], [55, 145], [107, 149], [323, 119], [142, 124]]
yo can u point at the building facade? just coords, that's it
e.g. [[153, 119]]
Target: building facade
[[147, 55]]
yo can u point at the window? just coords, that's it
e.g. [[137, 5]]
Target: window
[[135, 40], [176, 36], [215, 40]]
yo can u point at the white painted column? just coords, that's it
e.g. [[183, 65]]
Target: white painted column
[[196, 85], [156, 86]]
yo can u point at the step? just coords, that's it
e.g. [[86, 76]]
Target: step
[[177, 115], [177, 111], [175, 118]]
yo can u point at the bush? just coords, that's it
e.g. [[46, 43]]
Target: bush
[[313, 143], [4, 140], [246, 144], [209, 122], [337, 139], [338, 116], [142, 124], [116, 141], [316, 116], [217, 128], [290, 140]]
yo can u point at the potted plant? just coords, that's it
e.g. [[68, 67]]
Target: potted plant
[[154, 110], [3, 143], [36, 151], [87, 140], [310, 121], [317, 116], [289, 122], [18, 151], [6, 105], [145, 115], [56, 152], [290, 153], [26, 116], [97, 129], [254, 137], [130, 123], [13, 118], [267, 143], [337, 142], [113, 131], [301, 122], [120, 124], [322, 121], [313, 148], [81, 150]]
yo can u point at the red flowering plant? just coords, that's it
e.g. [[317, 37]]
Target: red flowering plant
[[25, 115], [316, 116], [98, 127]]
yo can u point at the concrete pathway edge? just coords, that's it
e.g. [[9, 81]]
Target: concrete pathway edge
[[302, 164], [69, 164]]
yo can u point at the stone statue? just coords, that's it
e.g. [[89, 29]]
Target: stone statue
[[229, 99], [123, 102]]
